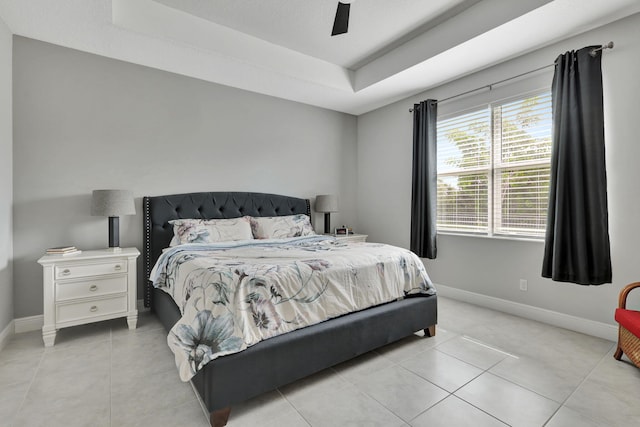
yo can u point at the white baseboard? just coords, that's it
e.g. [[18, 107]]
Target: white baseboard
[[6, 334], [562, 320], [28, 324]]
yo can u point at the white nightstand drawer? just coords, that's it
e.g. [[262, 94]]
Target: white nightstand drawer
[[90, 288], [93, 269], [89, 309]]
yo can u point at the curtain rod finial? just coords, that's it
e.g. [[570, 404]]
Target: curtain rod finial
[[595, 51]]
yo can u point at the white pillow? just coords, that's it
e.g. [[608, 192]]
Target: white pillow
[[210, 230], [281, 227]]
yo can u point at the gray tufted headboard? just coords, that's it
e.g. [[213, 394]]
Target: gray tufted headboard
[[159, 210]]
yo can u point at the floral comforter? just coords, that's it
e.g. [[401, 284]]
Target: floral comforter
[[234, 294]]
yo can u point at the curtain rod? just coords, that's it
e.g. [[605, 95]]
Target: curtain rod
[[490, 86]]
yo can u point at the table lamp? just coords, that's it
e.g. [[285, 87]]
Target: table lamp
[[327, 203], [113, 204]]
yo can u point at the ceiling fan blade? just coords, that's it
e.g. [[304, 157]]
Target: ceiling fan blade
[[341, 23]]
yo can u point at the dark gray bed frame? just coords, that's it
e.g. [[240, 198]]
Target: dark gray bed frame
[[285, 358]]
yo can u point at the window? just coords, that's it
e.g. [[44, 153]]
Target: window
[[493, 168]]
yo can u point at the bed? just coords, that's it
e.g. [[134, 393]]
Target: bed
[[282, 359]]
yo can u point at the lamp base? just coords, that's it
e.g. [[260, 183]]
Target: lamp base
[[114, 232], [327, 223], [114, 249]]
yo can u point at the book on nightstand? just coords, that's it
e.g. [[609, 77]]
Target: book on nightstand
[[63, 250]]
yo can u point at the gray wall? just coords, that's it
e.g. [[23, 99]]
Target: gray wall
[[6, 177], [493, 267], [83, 122]]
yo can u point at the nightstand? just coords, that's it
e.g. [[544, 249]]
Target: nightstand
[[88, 287], [351, 237]]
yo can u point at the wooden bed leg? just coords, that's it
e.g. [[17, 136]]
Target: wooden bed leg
[[430, 331], [220, 417]]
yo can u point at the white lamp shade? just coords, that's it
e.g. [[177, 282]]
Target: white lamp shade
[[112, 203], [327, 203]]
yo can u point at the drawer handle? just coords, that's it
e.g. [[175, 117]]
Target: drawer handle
[[118, 267], [93, 288], [93, 308], [66, 272]]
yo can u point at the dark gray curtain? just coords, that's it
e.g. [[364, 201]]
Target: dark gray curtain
[[577, 235], [423, 192]]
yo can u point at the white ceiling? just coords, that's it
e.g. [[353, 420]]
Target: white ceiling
[[394, 48], [305, 26]]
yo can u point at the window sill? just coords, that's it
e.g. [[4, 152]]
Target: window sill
[[493, 237]]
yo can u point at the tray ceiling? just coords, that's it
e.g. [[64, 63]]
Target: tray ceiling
[[283, 48]]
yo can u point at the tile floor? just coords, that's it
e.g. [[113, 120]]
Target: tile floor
[[484, 368]]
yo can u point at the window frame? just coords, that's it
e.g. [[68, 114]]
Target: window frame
[[494, 168]]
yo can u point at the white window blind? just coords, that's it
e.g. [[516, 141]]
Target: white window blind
[[493, 168]]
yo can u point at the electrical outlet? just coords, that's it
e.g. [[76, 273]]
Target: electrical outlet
[[523, 285]]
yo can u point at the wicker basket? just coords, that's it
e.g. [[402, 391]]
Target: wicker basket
[[630, 345]]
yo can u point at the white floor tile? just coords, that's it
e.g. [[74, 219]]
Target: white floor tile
[[348, 407], [508, 402], [106, 375], [28, 344], [566, 417], [290, 419], [454, 412], [609, 395], [129, 355], [69, 397], [187, 414], [135, 398], [11, 399], [263, 409], [473, 352], [323, 382], [18, 370], [544, 378], [442, 370], [401, 391]]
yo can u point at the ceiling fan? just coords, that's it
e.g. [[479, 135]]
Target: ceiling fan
[[341, 21]]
